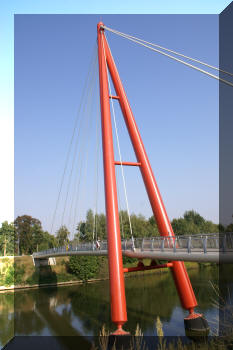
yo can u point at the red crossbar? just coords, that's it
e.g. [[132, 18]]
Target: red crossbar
[[127, 163], [114, 97], [142, 267]]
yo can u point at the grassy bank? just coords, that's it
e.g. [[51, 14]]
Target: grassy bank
[[20, 271]]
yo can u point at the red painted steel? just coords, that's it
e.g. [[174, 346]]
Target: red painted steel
[[114, 97], [144, 268], [180, 275], [127, 163], [116, 275]]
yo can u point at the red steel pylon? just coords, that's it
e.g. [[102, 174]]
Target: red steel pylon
[[116, 275]]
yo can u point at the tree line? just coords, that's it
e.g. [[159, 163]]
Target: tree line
[[26, 235]]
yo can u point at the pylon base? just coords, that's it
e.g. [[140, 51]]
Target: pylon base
[[120, 331], [119, 340], [196, 326]]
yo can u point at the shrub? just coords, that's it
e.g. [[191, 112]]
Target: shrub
[[84, 267], [19, 273], [9, 276]]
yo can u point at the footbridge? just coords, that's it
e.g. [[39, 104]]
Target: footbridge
[[215, 248]]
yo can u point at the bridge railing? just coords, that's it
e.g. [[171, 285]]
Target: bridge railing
[[221, 242]]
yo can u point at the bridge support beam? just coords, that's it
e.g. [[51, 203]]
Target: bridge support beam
[[179, 272], [116, 275]]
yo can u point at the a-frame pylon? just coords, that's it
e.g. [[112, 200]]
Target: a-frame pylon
[[116, 276]]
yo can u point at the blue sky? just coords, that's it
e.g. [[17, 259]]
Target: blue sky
[[175, 107], [9, 9]]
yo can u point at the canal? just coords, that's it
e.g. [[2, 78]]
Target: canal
[[84, 308]]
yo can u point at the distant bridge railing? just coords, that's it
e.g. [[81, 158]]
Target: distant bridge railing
[[201, 243]]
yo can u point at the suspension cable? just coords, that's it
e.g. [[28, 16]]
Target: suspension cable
[[86, 154], [172, 51], [172, 57], [120, 206], [83, 141], [94, 234], [71, 143], [75, 150], [118, 145]]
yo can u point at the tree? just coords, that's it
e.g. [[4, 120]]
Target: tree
[[81, 229], [100, 226], [49, 240], [209, 227], [124, 224], [84, 267], [89, 226], [44, 240], [24, 228], [7, 239], [194, 217], [37, 237], [86, 228], [192, 223], [182, 226], [62, 236], [140, 226], [152, 227]]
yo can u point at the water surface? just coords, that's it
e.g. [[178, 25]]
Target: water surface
[[84, 309]]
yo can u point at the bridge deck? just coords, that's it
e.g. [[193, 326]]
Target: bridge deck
[[201, 248]]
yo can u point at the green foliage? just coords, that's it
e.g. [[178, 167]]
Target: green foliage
[[140, 225], [153, 228], [84, 267], [9, 276], [193, 223], [127, 260], [183, 227], [37, 237], [26, 229], [86, 228], [7, 239], [13, 274], [194, 217], [62, 236], [65, 277], [19, 274], [100, 224], [190, 223], [48, 241], [30, 237]]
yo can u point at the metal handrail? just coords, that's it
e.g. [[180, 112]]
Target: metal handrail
[[222, 242]]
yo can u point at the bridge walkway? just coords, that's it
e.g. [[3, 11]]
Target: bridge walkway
[[215, 248]]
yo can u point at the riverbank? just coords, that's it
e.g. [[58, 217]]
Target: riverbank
[[85, 307], [20, 273]]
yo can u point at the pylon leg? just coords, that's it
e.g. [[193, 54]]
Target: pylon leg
[[116, 275], [183, 286]]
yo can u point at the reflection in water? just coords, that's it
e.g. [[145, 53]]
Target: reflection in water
[[83, 309], [6, 317]]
